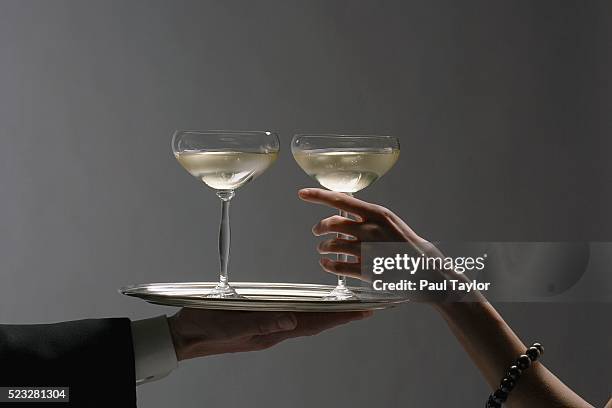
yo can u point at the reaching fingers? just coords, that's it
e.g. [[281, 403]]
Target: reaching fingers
[[340, 246], [338, 200], [350, 269], [336, 224]]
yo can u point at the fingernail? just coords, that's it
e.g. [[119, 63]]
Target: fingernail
[[287, 322]]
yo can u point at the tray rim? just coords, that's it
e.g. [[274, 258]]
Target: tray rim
[[263, 304]]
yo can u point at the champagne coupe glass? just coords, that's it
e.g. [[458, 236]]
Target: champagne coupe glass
[[347, 164], [225, 160]]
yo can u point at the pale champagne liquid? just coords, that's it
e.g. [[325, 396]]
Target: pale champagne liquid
[[347, 171], [225, 170]]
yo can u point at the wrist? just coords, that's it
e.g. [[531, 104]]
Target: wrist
[[445, 309], [177, 339], [154, 352], [452, 310]]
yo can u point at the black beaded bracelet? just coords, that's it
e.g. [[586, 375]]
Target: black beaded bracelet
[[513, 374]]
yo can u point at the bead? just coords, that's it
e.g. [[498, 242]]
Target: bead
[[500, 395], [523, 362], [539, 347], [514, 373], [533, 353], [491, 403], [507, 384]]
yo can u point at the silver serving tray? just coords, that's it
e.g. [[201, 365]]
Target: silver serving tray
[[261, 296]]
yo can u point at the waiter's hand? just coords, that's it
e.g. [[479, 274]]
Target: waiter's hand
[[198, 333]]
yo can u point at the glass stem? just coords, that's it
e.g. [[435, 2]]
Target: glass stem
[[342, 257], [224, 235]]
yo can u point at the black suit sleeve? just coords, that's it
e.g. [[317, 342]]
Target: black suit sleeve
[[94, 357]]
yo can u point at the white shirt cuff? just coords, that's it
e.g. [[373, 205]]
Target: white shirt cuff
[[154, 352]]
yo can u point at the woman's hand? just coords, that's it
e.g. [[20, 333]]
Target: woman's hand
[[482, 332], [373, 223]]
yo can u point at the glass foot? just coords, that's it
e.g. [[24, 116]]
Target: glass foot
[[224, 291], [340, 292]]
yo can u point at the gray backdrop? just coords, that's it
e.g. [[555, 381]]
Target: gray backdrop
[[502, 109]]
